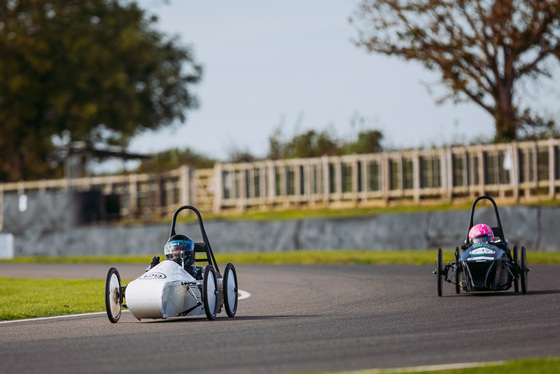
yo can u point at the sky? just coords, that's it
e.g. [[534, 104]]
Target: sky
[[292, 65]]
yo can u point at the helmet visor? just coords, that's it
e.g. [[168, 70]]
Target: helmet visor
[[175, 248], [481, 239]]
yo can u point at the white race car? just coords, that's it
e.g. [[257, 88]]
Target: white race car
[[175, 287]]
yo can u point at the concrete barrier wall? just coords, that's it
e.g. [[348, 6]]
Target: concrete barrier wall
[[536, 228]]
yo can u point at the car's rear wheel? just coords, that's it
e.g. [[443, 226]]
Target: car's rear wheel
[[230, 290], [439, 271], [457, 272], [113, 295], [210, 292], [524, 271], [515, 270]]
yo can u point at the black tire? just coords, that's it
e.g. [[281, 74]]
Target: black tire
[[457, 272], [210, 292], [524, 271], [515, 270], [113, 295], [439, 271], [230, 290]]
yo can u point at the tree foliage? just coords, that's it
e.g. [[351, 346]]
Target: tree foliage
[[173, 159], [484, 49], [94, 71], [316, 144]]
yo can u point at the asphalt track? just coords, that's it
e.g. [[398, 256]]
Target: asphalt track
[[298, 318]]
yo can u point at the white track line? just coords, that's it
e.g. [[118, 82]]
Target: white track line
[[50, 318], [420, 369], [241, 296]]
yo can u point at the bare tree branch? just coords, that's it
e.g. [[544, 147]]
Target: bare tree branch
[[481, 48]]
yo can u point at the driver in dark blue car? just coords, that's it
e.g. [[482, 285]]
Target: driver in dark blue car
[[481, 233]]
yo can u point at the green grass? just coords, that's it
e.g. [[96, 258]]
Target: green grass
[[294, 214], [547, 365], [369, 257], [258, 214], [31, 298], [366, 257], [103, 259], [311, 213], [534, 366]]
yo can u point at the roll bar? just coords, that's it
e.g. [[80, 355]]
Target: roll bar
[[209, 254]]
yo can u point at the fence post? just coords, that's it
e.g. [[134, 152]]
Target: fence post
[[242, 202], [535, 167], [262, 185], [551, 168], [1, 207], [338, 178], [466, 167], [297, 182], [326, 180], [416, 176], [447, 173], [271, 182], [363, 181], [185, 185], [400, 174], [481, 171], [355, 180], [442, 175], [515, 170], [283, 180], [385, 176], [133, 191], [250, 178], [306, 167]]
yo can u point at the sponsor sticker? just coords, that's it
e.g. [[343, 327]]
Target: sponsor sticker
[[482, 251], [154, 275], [480, 258]]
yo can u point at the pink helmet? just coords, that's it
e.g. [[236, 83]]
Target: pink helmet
[[481, 233]]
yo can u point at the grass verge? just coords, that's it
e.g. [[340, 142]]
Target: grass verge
[[32, 298], [339, 212], [545, 365], [304, 257], [310, 213], [534, 366]]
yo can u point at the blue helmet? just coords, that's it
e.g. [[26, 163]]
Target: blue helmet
[[180, 248]]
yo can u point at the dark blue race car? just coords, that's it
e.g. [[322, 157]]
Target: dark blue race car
[[484, 262]]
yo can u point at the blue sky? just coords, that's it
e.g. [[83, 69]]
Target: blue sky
[[292, 64]]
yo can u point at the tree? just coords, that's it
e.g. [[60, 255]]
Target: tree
[[174, 158], [368, 141], [323, 143], [94, 71], [307, 144], [483, 49]]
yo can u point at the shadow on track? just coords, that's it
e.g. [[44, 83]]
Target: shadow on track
[[503, 294], [224, 319]]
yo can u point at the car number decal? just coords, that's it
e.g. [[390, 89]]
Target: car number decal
[[482, 251], [154, 275]]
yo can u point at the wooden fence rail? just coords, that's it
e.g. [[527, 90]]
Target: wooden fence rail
[[514, 171], [518, 171]]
